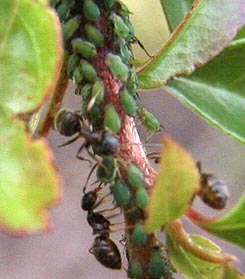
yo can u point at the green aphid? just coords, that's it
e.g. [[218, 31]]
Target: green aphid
[[159, 265], [70, 26], [118, 69], [119, 26], [121, 47], [106, 172], [77, 75], [85, 90], [138, 236], [135, 269], [130, 27], [85, 48], [72, 63], [122, 9], [132, 83], [90, 10], [141, 198], [88, 71], [94, 35], [95, 116], [108, 3], [134, 176], [111, 119], [63, 10], [97, 92], [120, 193], [127, 102], [148, 120]]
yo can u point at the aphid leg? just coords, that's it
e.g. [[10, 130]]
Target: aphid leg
[[142, 46]]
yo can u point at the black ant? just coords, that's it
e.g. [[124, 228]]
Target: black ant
[[68, 124], [104, 249]]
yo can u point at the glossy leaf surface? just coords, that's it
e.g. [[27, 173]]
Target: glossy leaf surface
[[176, 183], [216, 91], [175, 11], [192, 267], [208, 27]]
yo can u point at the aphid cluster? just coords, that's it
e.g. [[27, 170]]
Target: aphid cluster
[[99, 33]]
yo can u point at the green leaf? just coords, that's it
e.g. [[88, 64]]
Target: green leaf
[[216, 91], [175, 11], [192, 267], [30, 59], [30, 54], [176, 183], [28, 182], [207, 29], [230, 227]]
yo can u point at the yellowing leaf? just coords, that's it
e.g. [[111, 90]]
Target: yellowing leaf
[[28, 181], [176, 183]]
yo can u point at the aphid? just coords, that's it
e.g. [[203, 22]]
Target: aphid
[[67, 123], [90, 10], [63, 10], [120, 28], [148, 120], [112, 121], [118, 69], [127, 102], [78, 74], [212, 191], [72, 63], [134, 176], [85, 90], [85, 48], [132, 83], [159, 265], [141, 198], [138, 236], [94, 35], [97, 95], [108, 3], [106, 252], [70, 26], [120, 193], [135, 269], [121, 47], [88, 71], [106, 172]]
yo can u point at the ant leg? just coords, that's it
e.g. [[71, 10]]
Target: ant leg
[[81, 157], [69, 141], [89, 176]]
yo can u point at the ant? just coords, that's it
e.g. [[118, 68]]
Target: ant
[[104, 249], [68, 124]]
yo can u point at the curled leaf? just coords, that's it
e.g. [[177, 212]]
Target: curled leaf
[[176, 183]]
